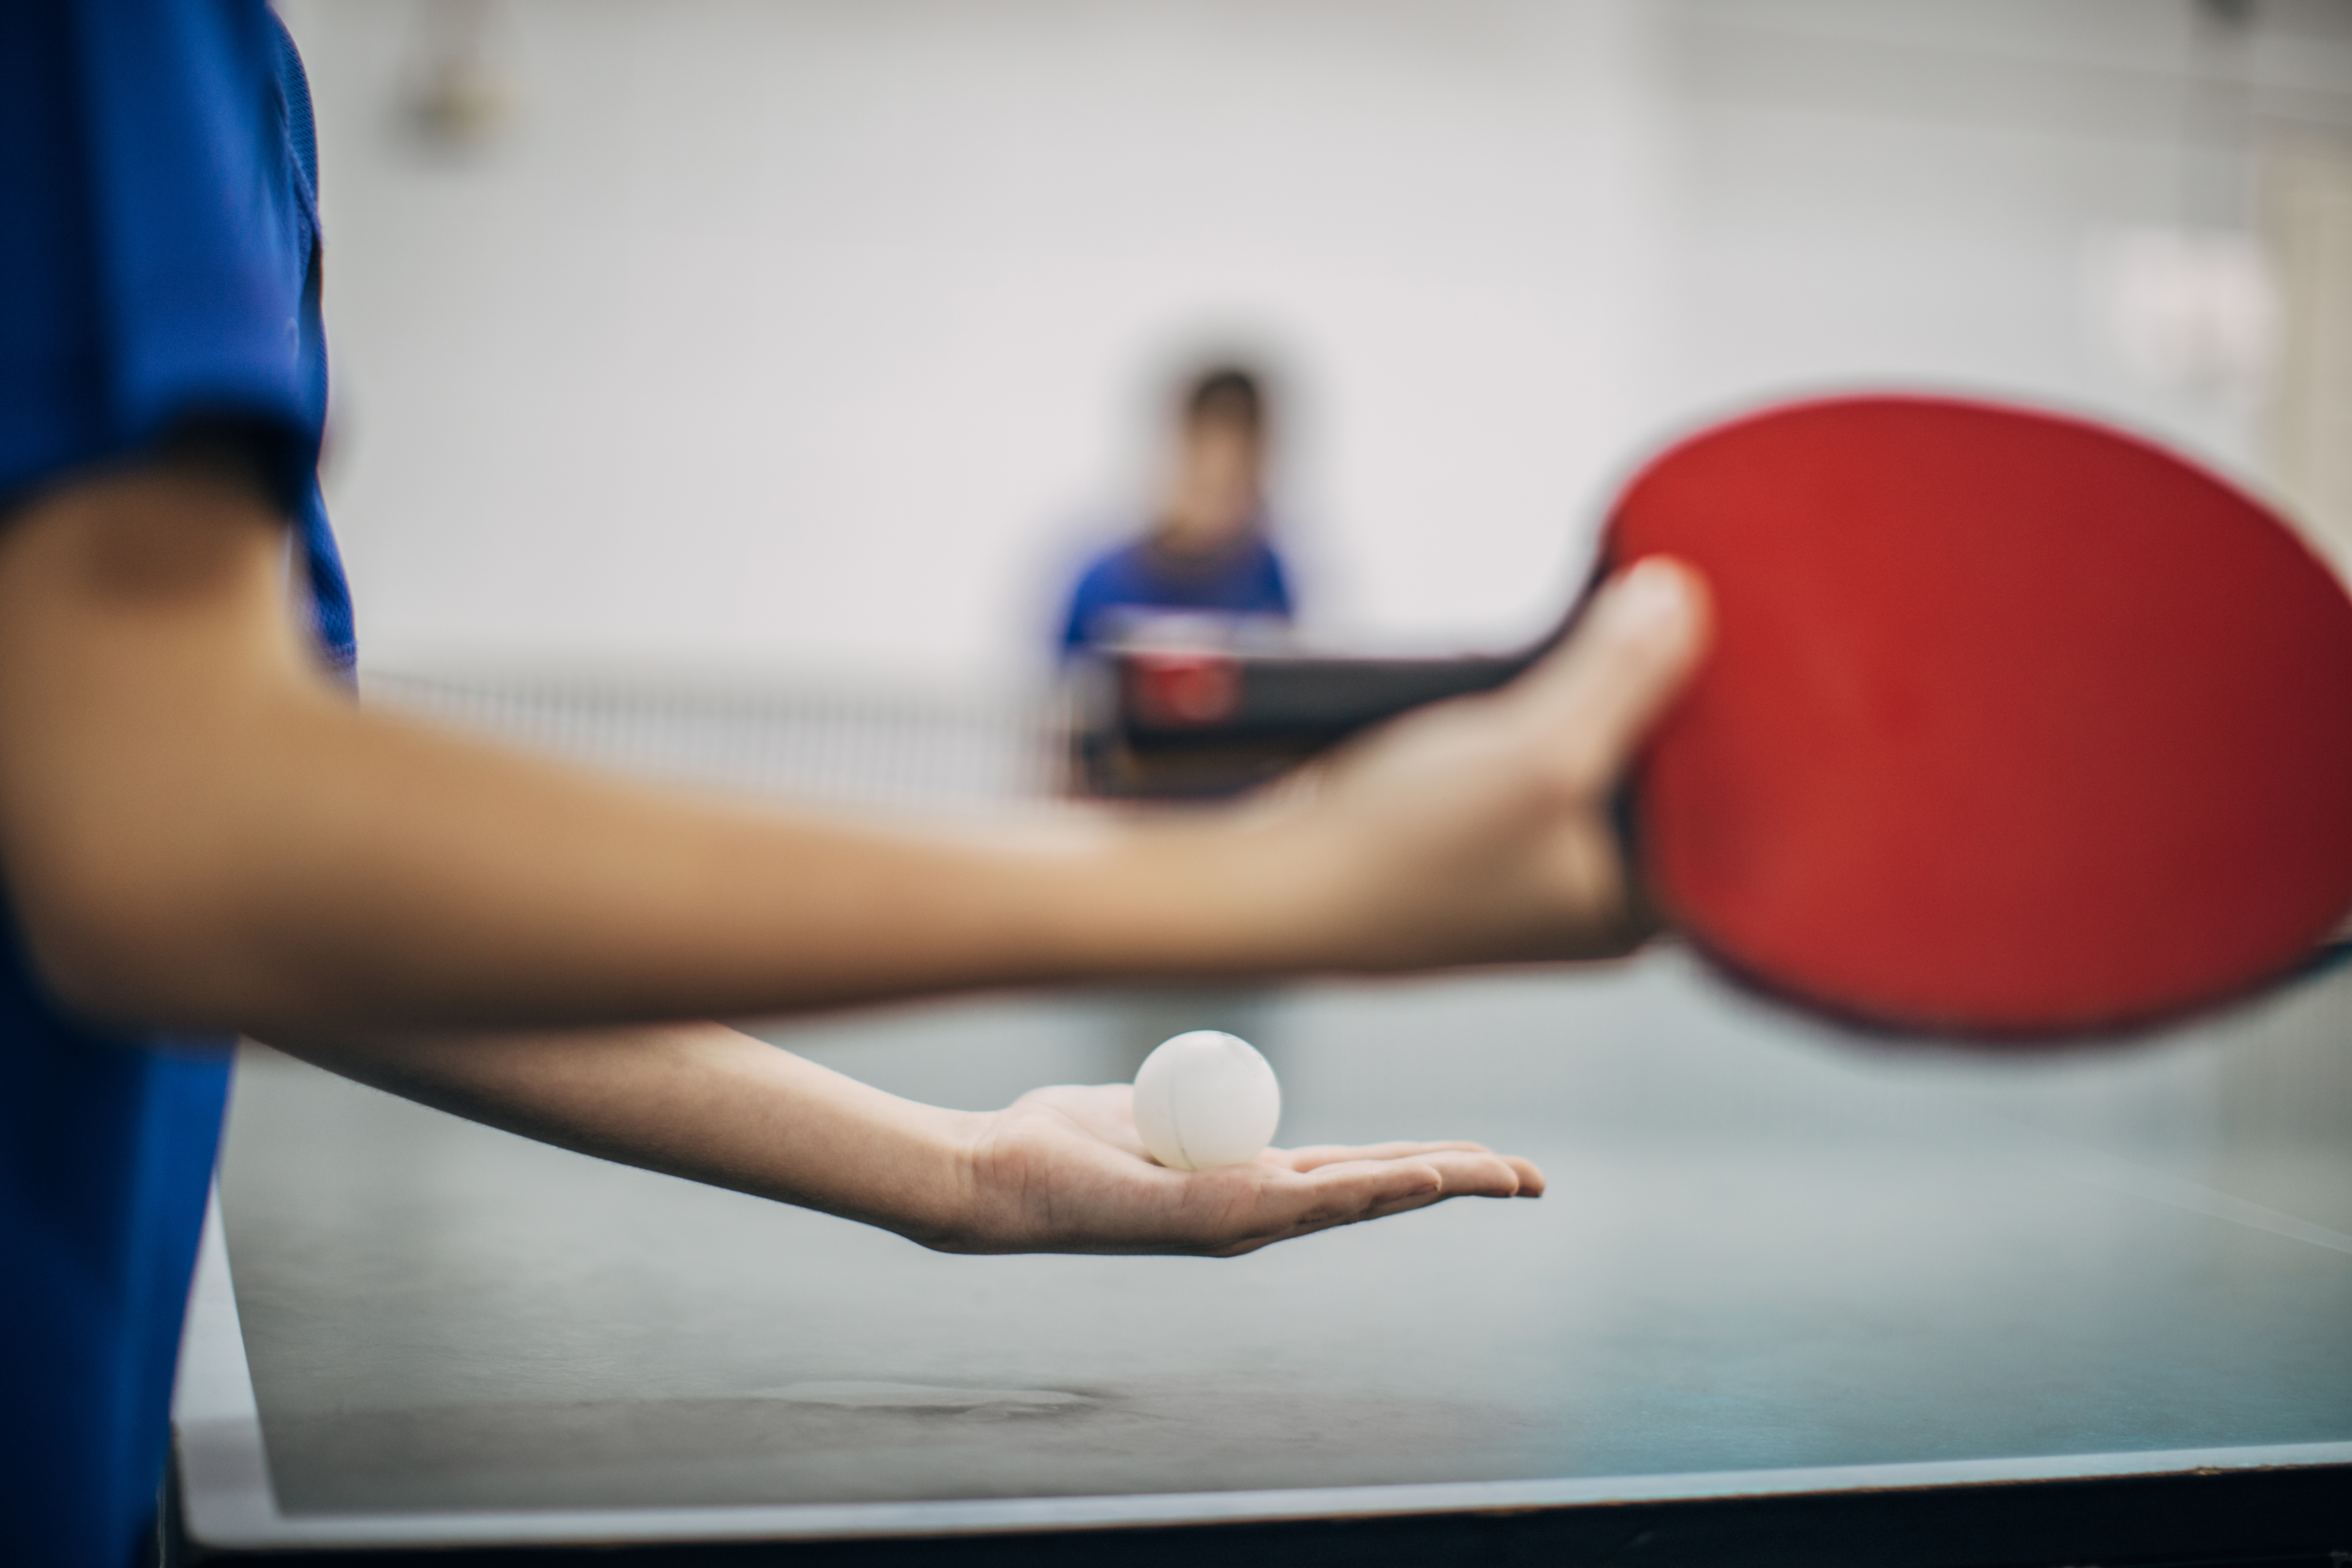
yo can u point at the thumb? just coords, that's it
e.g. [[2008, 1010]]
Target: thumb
[[1635, 645]]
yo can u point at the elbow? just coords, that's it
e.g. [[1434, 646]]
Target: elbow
[[124, 941]]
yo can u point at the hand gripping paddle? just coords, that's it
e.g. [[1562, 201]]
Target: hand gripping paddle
[[2012, 725]]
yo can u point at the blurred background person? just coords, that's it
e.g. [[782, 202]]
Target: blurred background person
[[1206, 558]]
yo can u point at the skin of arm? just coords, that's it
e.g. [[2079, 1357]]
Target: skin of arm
[[1060, 1170], [200, 830]]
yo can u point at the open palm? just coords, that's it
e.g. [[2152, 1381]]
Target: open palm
[[1064, 1170]]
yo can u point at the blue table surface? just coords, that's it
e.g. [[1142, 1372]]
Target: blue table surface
[[1766, 1245]]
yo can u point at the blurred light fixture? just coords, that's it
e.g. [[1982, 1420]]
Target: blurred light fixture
[[459, 97], [2188, 310]]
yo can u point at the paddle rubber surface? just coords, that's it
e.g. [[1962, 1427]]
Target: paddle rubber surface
[[2012, 725]]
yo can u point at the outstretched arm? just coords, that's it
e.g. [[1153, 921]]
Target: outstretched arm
[[198, 829], [1060, 1170]]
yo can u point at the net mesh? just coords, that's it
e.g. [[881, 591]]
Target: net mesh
[[924, 751]]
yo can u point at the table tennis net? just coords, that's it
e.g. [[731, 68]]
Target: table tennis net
[[842, 744]]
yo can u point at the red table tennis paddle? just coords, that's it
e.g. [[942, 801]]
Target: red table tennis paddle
[[2013, 726]]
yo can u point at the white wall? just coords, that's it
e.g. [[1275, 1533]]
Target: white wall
[[1926, 192], [816, 336]]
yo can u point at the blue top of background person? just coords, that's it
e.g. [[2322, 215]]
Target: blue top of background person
[[1206, 550], [159, 283]]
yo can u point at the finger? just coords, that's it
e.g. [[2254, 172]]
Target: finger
[[1355, 1191], [1529, 1176], [1341, 1195], [1106, 1112], [1361, 1189], [1483, 1174], [1600, 693], [1315, 1156], [1111, 1097]]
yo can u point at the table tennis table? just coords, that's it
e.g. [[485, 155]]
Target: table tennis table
[[1795, 1295]]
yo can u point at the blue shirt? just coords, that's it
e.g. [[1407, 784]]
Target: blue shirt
[[1245, 581], [159, 247]]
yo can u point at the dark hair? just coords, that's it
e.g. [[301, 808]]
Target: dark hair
[[1227, 394]]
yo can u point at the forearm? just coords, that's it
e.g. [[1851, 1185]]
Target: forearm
[[198, 830], [1060, 1170], [697, 1100], [387, 872]]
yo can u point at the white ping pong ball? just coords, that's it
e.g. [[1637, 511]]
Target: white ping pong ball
[[1205, 1099]]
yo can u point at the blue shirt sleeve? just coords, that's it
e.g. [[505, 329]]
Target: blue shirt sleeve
[[1087, 600], [1274, 586], [155, 241]]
